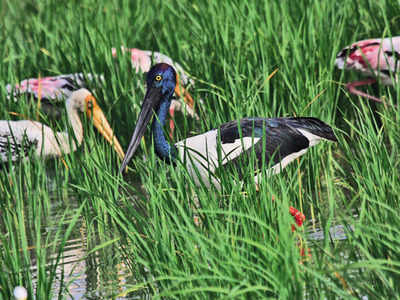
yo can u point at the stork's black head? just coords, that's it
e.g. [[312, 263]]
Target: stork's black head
[[161, 82], [162, 76]]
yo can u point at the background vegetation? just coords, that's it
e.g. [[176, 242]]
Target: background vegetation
[[244, 248]]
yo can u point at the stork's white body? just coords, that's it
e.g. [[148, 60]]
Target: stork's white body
[[17, 138], [204, 153], [200, 154]]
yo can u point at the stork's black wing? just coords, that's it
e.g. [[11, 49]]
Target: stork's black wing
[[282, 137]]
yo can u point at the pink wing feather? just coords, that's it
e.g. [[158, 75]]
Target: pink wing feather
[[142, 60], [55, 88], [377, 57], [59, 87]]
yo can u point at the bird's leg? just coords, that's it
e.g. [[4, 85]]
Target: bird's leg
[[197, 220], [352, 89], [187, 110], [171, 121], [305, 255], [184, 108], [196, 217], [177, 105]]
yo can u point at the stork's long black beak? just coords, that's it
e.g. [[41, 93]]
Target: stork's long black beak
[[150, 102]]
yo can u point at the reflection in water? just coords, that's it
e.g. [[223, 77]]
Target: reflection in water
[[98, 275], [101, 274], [337, 232]]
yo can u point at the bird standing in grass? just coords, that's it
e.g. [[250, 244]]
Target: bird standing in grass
[[271, 142], [19, 138], [378, 58], [53, 89]]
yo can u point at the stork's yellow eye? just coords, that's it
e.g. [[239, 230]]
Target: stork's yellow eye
[[158, 78]]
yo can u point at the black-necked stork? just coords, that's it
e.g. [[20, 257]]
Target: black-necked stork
[[279, 140], [286, 138], [379, 58], [53, 89], [18, 138]]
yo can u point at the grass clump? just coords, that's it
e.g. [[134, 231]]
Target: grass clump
[[244, 248]]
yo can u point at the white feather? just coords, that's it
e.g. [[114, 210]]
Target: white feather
[[48, 143], [312, 138], [200, 153]]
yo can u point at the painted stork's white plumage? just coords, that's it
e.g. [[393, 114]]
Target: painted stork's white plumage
[[57, 88], [377, 58], [275, 142], [18, 138]]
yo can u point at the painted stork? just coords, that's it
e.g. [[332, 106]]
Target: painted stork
[[57, 88], [285, 139], [18, 138], [379, 58]]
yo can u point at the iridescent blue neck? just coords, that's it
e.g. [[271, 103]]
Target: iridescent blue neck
[[163, 149]]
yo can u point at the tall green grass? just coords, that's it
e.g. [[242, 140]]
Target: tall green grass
[[244, 248]]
